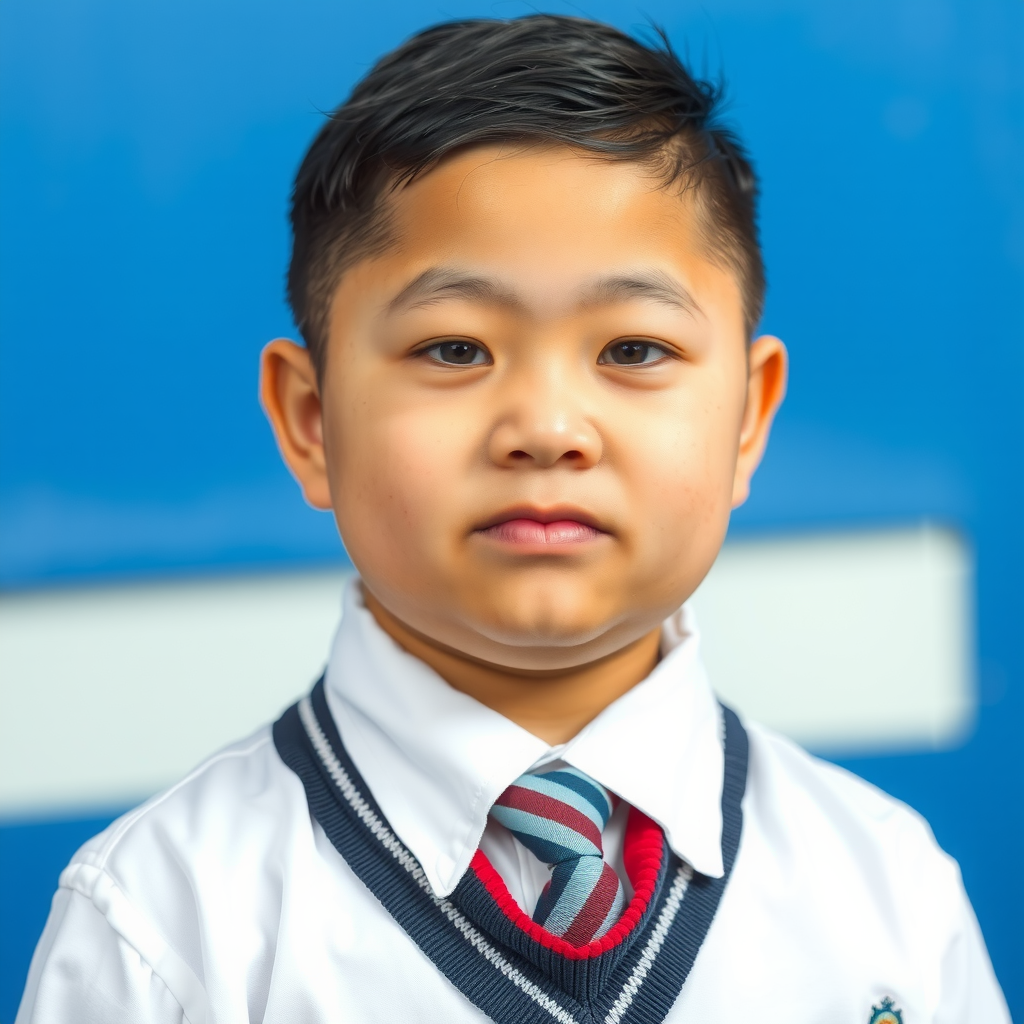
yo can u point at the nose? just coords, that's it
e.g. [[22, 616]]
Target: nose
[[543, 426]]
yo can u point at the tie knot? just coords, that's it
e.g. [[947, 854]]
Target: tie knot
[[558, 815]]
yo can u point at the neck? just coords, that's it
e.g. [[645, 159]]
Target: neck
[[553, 705]]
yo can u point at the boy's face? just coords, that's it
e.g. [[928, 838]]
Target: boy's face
[[535, 415]]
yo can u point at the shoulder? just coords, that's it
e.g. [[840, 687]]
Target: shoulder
[[235, 796], [181, 901], [860, 875], [851, 845], [192, 879], [785, 780]]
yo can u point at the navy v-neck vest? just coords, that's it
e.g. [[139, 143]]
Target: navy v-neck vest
[[480, 939]]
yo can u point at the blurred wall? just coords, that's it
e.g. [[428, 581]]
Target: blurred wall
[[146, 152]]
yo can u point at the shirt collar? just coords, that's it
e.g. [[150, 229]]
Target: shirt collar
[[435, 759]]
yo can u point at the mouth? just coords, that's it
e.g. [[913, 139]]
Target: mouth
[[542, 530]]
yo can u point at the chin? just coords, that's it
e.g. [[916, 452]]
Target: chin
[[546, 618]]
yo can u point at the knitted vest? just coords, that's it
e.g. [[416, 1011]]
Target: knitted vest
[[479, 938]]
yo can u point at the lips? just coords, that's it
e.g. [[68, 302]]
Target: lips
[[536, 529], [530, 532]]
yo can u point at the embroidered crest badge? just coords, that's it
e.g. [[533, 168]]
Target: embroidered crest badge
[[886, 1013]]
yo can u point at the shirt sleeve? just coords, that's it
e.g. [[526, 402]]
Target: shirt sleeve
[[84, 971], [970, 991]]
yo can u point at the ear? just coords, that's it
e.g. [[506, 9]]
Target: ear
[[767, 370], [291, 400]]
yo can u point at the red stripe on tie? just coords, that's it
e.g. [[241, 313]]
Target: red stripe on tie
[[522, 799], [594, 910]]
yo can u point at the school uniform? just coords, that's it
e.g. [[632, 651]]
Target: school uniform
[[350, 864]]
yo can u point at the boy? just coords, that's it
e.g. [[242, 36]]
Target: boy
[[526, 270]]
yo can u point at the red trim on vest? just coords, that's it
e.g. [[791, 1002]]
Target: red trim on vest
[[642, 853]]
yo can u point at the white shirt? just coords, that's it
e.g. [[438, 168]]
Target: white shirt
[[222, 900]]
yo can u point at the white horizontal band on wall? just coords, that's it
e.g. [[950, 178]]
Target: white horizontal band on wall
[[857, 642], [111, 693]]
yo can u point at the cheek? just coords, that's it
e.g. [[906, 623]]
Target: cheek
[[396, 480], [682, 471]]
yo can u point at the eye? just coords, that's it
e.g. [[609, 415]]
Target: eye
[[632, 353], [458, 353]]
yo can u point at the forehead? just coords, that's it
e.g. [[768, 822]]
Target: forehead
[[548, 216]]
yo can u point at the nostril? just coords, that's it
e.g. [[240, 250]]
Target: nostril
[[518, 455], [573, 456]]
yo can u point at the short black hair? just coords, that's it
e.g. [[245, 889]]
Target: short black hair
[[541, 78]]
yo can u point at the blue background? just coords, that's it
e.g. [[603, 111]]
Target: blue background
[[145, 161]]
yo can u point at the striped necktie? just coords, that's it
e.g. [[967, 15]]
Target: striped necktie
[[559, 816]]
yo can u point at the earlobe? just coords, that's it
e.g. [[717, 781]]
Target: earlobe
[[768, 367], [290, 396]]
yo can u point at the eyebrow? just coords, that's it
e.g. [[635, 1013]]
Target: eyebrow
[[654, 285], [448, 282]]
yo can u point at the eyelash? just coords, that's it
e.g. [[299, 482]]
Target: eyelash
[[479, 356], [433, 352], [649, 347]]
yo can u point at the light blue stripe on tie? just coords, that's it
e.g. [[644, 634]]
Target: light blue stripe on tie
[[527, 824], [585, 876], [550, 787]]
